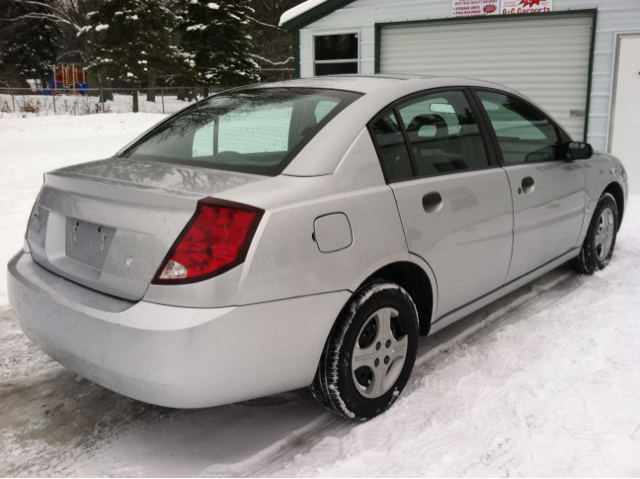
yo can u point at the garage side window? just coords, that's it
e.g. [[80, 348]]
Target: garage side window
[[443, 133], [336, 54], [524, 134], [394, 155]]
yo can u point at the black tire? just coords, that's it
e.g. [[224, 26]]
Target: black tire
[[600, 241], [358, 390]]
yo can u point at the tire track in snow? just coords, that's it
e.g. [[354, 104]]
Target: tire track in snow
[[517, 306], [54, 423], [48, 415]]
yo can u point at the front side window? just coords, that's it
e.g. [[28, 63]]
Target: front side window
[[255, 131], [524, 134], [336, 54], [443, 133]]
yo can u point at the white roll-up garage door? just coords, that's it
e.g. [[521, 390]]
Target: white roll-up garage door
[[546, 58]]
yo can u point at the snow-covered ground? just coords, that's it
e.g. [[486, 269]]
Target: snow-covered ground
[[545, 382]]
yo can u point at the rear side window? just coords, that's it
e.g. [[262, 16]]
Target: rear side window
[[524, 134], [394, 155], [443, 133], [254, 131]]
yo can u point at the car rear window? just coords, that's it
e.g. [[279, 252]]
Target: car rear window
[[253, 131]]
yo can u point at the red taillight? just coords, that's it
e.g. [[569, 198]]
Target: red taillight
[[216, 239]]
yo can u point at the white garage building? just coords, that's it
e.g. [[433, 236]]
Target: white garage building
[[579, 59]]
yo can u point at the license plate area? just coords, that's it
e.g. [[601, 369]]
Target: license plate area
[[88, 243]]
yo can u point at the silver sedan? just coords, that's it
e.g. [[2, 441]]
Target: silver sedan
[[305, 233]]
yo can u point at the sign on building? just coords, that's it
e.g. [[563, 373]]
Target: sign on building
[[525, 6], [475, 8], [479, 8]]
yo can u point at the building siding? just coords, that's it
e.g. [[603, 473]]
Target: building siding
[[614, 16]]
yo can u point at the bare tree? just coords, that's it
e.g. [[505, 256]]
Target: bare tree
[[272, 46]]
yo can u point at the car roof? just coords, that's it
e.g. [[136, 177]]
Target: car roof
[[389, 87], [322, 155], [370, 83], [356, 83]]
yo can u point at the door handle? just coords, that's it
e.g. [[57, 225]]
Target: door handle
[[432, 202], [528, 185]]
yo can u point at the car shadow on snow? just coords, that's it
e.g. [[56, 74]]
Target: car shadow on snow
[[53, 422]]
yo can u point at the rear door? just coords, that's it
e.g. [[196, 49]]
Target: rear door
[[454, 202], [548, 192]]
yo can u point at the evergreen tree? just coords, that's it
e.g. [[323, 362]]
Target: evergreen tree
[[214, 40], [132, 38], [28, 40]]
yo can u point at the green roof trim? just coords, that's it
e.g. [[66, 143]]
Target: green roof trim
[[314, 14], [296, 53]]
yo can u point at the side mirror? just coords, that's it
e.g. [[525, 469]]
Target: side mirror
[[578, 151]]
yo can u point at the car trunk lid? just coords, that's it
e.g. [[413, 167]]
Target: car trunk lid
[[109, 224]]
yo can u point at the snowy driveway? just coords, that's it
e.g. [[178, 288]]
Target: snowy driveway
[[543, 382]]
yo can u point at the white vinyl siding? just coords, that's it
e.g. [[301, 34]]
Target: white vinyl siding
[[547, 59]]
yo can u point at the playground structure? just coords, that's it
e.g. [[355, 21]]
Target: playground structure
[[67, 78]]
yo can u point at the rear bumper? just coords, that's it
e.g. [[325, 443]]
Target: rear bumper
[[173, 356]]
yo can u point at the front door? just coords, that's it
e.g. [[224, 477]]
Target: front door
[[454, 205], [549, 194]]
